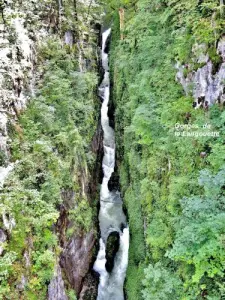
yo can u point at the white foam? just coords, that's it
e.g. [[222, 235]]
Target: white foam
[[111, 215]]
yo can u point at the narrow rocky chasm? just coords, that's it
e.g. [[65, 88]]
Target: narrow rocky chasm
[[111, 266], [50, 149], [94, 122]]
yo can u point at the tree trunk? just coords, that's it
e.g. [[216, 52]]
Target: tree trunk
[[121, 13]]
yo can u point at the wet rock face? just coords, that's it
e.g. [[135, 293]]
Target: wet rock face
[[207, 83], [114, 181], [76, 259], [107, 46], [97, 147], [112, 246], [56, 289], [90, 288]]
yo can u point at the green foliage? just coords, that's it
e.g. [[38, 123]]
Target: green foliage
[[136, 226], [51, 148], [2, 158], [82, 216], [159, 283], [6, 262], [71, 295], [134, 277], [200, 229], [113, 5], [158, 169]]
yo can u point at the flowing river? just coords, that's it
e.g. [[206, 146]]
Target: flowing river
[[111, 215]]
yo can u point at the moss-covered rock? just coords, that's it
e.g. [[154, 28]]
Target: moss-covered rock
[[112, 246]]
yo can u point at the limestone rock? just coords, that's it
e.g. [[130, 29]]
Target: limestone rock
[[56, 289], [3, 238], [204, 84], [76, 259], [21, 285], [221, 48]]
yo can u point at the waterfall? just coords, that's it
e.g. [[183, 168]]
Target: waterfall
[[111, 215]]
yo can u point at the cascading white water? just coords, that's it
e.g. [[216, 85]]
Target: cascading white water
[[111, 216]]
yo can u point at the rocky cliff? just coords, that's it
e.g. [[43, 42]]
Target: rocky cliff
[[49, 147], [203, 76]]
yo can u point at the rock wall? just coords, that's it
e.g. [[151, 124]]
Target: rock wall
[[24, 24], [76, 259], [56, 288], [24, 27], [206, 82]]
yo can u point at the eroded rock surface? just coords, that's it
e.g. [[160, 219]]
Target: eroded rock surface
[[56, 288], [112, 246], [89, 289], [207, 83], [23, 27], [3, 238], [76, 259]]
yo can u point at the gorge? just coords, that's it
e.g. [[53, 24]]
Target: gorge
[[103, 194], [111, 215]]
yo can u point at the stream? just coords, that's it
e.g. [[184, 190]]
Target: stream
[[111, 215]]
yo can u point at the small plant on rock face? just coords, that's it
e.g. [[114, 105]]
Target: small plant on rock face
[[3, 158], [72, 295], [81, 215]]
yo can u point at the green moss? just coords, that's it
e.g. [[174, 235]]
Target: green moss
[[18, 240], [71, 295], [197, 66], [215, 58]]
